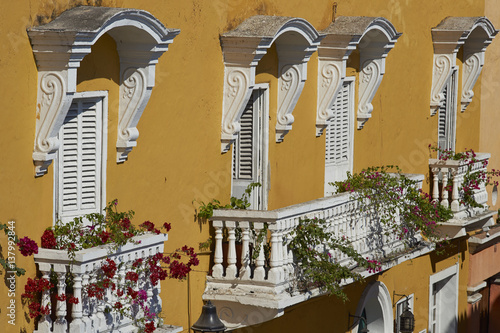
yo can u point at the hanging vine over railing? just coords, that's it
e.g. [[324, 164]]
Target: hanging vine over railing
[[396, 200]]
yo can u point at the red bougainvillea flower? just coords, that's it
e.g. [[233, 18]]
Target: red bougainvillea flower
[[27, 246], [109, 268], [73, 300], [125, 223], [61, 297], [48, 239], [167, 226], [149, 327], [104, 236], [118, 305], [132, 276]]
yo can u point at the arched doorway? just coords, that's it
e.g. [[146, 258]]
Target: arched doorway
[[375, 306]]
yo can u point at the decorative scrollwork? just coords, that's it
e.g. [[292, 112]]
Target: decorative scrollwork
[[471, 69], [331, 79], [237, 88], [442, 71], [371, 76], [290, 89]]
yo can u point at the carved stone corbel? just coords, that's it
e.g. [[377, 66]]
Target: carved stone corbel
[[370, 77], [472, 66], [60, 46]]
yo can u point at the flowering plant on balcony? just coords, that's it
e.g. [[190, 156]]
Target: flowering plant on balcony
[[473, 179], [396, 201], [312, 246], [114, 229]]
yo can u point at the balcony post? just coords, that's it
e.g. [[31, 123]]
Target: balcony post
[[45, 323], [259, 273], [77, 325], [455, 204], [276, 272], [86, 301], [231, 253], [218, 270], [444, 192], [245, 251], [435, 184], [60, 325]]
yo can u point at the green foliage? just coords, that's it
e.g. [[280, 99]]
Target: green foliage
[[206, 210], [12, 240], [396, 201], [312, 246]]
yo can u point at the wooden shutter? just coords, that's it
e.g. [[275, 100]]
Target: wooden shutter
[[79, 160], [447, 114], [339, 137], [243, 157]]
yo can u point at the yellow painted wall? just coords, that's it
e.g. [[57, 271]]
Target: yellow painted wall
[[177, 158]]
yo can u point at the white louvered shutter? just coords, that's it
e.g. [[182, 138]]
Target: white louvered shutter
[[79, 160], [248, 151], [339, 137], [447, 114]]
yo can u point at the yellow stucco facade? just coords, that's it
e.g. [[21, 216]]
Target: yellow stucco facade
[[178, 161]]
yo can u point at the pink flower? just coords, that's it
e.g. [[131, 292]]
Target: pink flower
[[27, 246]]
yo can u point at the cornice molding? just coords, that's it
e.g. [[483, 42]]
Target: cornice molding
[[475, 33], [61, 45], [374, 37], [296, 39]]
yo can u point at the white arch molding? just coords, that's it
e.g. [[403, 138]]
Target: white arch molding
[[475, 34], [374, 37], [377, 303], [296, 39], [61, 45]]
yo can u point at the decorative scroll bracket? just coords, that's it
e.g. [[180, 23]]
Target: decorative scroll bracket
[[293, 75], [243, 48], [374, 37], [475, 33], [61, 45]]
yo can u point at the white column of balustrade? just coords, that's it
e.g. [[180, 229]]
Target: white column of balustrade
[[259, 271], [435, 184], [218, 270], [77, 325], [45, 323], [60, 325], [276, 272], [245, 271], [457, 180], [231, 253], [86, 310], [444, 193]]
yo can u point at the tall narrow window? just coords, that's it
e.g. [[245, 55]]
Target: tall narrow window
[[80, 166], [447, 114], [339, 137], [250, 162]]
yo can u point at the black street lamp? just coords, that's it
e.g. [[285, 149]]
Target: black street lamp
[[208, 321], [406, 320]]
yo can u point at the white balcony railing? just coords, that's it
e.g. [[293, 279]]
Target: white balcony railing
[[89, 314], [270, 280], [446, 171], [465, 218]]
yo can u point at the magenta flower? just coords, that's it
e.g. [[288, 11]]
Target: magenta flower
[[27, 246]]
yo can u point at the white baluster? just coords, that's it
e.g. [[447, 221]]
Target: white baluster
[[435, 184], [444, 192], [259, 272], [231, 253], [455, 204], [245, 251], [218, 270], [100, 322], [60, 325], [276, 271], [77, 325], [86, 311], [45, 323]]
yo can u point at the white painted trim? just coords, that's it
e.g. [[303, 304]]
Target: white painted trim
[[446, 273], [103, 95], [378, 290]]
